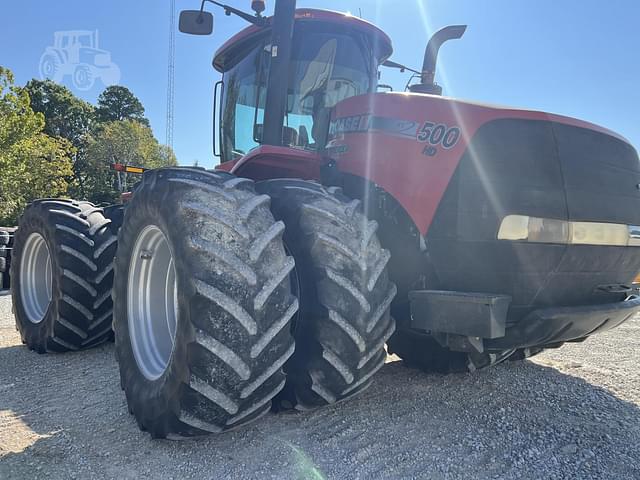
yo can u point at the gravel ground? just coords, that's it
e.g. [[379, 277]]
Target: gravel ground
[[571, 413]]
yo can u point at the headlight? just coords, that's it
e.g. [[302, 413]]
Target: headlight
[[548, 230]]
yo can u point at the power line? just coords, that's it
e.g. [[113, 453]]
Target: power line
[[170, 73]]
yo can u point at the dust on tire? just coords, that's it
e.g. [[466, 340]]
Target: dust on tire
[[235, 304], [345, 293]]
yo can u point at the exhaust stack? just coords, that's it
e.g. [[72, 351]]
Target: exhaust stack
[[427, 83]]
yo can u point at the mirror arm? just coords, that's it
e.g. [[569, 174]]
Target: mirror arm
[[399, 66], [259, 21]]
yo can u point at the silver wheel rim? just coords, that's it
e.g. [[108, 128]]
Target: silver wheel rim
[[35, 278], [152, 302]]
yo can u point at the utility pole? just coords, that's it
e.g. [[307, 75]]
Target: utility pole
[[170, 73]]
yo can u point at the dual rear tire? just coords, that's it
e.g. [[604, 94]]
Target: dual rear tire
[[214, 320], [62, 273], [234, 342]]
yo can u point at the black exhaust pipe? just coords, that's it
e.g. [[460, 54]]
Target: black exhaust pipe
[[276, 100], [427, 83]]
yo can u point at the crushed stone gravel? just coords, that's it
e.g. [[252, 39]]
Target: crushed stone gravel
[[570, 413]]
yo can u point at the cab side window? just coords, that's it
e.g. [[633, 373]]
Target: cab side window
[[243, 104]]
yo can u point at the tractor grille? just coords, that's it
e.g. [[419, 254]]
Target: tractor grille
[[539, 169]]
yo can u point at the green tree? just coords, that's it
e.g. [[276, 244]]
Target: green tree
[[33, 164], [118, 103], [66, 116], [127, 142]]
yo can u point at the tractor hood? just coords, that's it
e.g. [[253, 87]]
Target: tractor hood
[[536, 206], [412, 144]]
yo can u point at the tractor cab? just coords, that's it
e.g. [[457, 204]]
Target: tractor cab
[[334, 56]]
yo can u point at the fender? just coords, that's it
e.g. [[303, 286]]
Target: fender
[[269, 161]]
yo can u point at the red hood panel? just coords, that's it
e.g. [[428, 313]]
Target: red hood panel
[[410, 144]]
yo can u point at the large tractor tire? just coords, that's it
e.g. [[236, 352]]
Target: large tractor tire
[[344, 291], [62, 272], [202, 303], [423, 352]]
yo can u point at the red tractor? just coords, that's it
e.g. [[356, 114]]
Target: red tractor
[[341, 220]]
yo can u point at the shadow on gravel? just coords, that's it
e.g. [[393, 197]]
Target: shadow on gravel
[[65, 415]]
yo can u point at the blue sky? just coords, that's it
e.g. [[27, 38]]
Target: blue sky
[[574, 57]]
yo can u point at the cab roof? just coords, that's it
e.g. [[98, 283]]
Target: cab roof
[[249, 33]]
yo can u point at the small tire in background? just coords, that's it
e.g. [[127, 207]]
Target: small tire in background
[[4, 277], [344, 290], [4, 267], [61, 271], [215, 360], [6, 244], [7, 272], [4, 236]]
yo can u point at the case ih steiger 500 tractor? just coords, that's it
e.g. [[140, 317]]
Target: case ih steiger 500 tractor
[[340, 219]]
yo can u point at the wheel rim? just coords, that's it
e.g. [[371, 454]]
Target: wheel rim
[[36, 278], [152, 302]]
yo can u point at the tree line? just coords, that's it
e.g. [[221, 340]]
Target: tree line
[[54, 144]]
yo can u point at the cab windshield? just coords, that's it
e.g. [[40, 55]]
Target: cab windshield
[[326, 67]]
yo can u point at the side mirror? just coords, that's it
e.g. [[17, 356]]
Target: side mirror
[[195, 22]]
